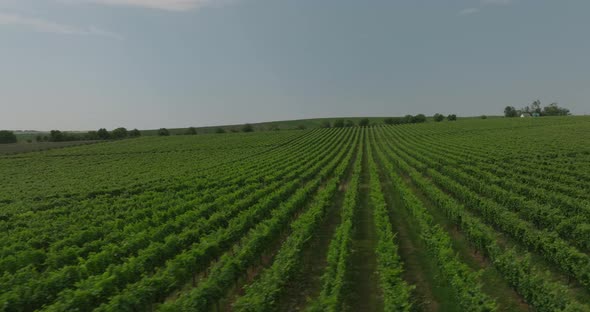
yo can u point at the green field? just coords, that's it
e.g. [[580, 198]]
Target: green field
[[472, 215]]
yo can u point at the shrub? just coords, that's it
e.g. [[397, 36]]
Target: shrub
[[163, 132], [134, 133], [419, 118], [364, 122], [452, 117], [7, 137], [191, 131], [119, 133], [248, 128], [438, 117]]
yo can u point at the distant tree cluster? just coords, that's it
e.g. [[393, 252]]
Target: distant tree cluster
[[7, 137], [408, 119], [100, 134], [341, 123], [440, 117], [552, 109]]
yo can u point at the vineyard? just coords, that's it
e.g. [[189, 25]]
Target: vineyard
[[472, 215]]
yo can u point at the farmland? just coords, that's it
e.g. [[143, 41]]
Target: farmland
[[472, 215]]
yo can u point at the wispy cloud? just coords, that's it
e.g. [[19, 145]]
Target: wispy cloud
[[496, 2], [469, 11], [170, 5], [41, 25], [483, 4]]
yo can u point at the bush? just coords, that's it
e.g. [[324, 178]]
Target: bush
[[119, 133], [483, 117], [419, 118], [248, 128], [364, 122], [191, 131], [452, 117], [219, 130], [349, 123], [325, 124], [163, 132], [56, 136], [103, 134], [134, 133], [7, 137], [301, 127], [438, 117], [339, 123]]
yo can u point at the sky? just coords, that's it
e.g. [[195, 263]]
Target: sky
[[87, 64]]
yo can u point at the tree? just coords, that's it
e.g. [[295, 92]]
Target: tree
[[364, 122], [339, 123], [301, 127], [483, 117], [191, 131], [325, 124], [408, 119], [119, 133], [510, 111], [7, 137], [248, 128], [452, 117], [134, 133], [536, 107], [438, 117], [91, 135], [103, 134], [553, 109], [163, 132], [39, 138], [389, 121], [419, 118], [56, 136], [219, 130]]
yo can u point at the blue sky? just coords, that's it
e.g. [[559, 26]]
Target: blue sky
[[84, 64]]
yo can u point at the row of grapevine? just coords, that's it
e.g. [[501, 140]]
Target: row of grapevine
[[548, 244], [192, 258], [571, 223], [464, 281], [534, 286], [396, 292], [229, 267], [42, 290], [337, 268]]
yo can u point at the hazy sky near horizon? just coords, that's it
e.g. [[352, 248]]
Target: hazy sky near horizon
[[85, 64]]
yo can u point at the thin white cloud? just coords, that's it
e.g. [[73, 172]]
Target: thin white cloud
[[469, 11], [496, 2], [170, 5], [41, 25], [483, 4]]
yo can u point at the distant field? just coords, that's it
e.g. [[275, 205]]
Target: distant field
[[472, 215], [23, 147]]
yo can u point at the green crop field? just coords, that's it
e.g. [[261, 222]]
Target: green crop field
[[471, 215]]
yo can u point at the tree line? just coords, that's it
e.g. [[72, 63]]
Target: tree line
[[100, 134], [552, 109]]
